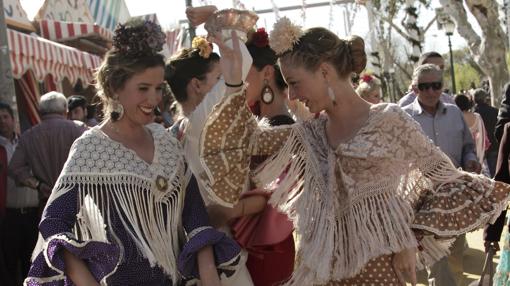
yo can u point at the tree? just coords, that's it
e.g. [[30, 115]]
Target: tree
[[489, 49]]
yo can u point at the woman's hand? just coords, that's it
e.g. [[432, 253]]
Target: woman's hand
[[206, 267], [199, 15], [231, 59], [404, 264], [220, 216]]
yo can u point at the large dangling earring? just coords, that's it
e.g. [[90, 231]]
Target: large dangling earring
[[331, 95], [267, 93], [117, 110]]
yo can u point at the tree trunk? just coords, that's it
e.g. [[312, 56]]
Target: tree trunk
[[490, 52]]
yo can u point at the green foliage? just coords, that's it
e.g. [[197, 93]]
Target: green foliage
[[465, 74]]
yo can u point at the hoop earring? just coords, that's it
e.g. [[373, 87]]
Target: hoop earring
[[331, 95], [117, 110], [267, 93]]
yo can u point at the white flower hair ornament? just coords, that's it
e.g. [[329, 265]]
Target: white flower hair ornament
[[284, 36]]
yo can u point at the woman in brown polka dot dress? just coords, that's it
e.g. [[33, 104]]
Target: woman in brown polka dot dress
[[370, 196]]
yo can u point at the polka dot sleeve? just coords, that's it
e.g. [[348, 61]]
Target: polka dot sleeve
[[230, 137]]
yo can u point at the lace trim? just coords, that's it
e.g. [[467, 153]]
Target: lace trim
[[197, 231]]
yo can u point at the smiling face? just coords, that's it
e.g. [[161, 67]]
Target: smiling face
[[308, 87], [141, 94]]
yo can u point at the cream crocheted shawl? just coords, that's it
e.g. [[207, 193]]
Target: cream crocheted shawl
[[110, 178], [366, 198]]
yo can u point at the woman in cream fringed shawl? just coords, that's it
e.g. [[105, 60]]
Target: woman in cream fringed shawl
[[365, 188]]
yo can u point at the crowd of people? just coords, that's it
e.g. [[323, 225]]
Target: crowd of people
[[272, 162]]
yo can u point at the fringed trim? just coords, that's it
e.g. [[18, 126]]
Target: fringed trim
[[291, 159], [432, 250], [330, 246], [151, 217]]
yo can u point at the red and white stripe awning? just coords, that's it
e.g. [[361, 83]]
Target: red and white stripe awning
[[43, 57], [64, 31]]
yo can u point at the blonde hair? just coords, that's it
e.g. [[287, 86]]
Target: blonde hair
[[366, 87], [318, 45]]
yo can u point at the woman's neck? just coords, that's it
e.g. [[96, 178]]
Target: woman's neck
[[126, 129], [277, 107], [347, 116]]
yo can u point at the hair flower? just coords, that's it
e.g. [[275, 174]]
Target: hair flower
[[284, 36], [367, 78], [138, 38], [260, 38], [204, 47]]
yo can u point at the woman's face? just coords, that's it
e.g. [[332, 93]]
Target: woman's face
[[255, 81], [374, 97], [308, 87], [141, 94]]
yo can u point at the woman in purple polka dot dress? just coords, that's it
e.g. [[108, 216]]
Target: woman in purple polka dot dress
[[126, 210]]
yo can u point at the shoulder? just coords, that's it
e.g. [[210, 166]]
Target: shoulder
[[453, 110], [390, 111]]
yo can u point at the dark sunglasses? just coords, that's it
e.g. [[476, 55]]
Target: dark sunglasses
[[426, 85]]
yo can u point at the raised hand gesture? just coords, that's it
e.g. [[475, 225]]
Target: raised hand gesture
[[199, 15], [231, 59]]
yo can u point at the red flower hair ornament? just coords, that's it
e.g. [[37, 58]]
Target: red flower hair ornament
[[367, 78], [260, 38]]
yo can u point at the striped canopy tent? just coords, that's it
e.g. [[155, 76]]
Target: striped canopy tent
[[43, 57], [72, 23], [36, 60], [108, 13]]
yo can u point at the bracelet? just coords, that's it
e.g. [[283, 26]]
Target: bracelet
[[234, 85], [38, 185]]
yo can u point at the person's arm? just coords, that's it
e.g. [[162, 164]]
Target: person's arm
[[207, 268], [493, 231], [440, 193], [19, 168], [469, 159], [232, 135], [206, 250], [77, 271], [221, 215], [504, 113]]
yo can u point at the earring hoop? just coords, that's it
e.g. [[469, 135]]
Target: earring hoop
[[117, 110], [267, 96]]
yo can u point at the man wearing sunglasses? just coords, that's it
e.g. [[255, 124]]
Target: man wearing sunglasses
[[444, 124], [427, 58]]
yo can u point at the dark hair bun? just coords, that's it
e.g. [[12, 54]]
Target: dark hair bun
[[358, 55]]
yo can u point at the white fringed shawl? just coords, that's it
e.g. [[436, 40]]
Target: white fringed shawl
[[109, 178], [355, 203]]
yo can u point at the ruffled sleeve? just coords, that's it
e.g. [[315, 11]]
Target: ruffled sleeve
[[447, 201], [56, 235], [200, 234], [229, 139]]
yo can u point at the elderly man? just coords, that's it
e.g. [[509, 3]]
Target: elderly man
[[19, 232], [43, 149], [444, 124], [427, 58]]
